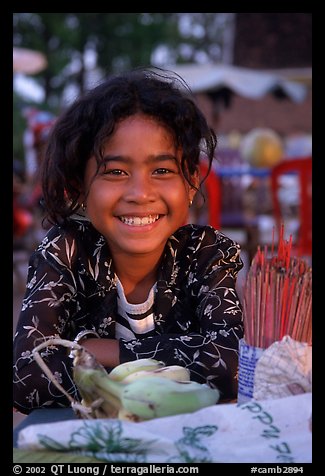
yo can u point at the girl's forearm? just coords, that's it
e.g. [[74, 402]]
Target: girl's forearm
[[106, 351]]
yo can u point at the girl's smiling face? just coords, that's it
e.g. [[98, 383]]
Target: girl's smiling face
[[139, 196]]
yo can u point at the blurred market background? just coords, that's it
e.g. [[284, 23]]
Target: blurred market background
[[251, 75]]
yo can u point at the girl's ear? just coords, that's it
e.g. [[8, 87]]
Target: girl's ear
[[80, 187], [82, 198], [195, 180]]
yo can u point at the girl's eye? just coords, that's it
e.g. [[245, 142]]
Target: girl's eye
[[163, 171], [117, 172]]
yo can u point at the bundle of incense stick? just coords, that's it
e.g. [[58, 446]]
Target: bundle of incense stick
[[277, 297]]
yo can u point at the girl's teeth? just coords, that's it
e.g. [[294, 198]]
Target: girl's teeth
[[139, 221]]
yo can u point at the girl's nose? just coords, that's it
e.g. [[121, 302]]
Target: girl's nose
[[140, 189]]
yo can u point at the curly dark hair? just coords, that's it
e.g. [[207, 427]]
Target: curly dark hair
[[82, 129]]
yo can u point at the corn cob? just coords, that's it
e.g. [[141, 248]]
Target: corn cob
[[86, 372], [107, 396], [172, 372], [120, 372], [153, 397]]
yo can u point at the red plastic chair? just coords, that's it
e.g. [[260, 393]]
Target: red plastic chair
[[303, 168], [213, 190]]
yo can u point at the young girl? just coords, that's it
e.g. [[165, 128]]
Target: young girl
[[127, 279]]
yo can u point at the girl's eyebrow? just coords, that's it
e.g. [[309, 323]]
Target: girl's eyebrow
[[150, 159]]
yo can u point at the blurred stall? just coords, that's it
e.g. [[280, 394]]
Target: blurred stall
[[28, 61]]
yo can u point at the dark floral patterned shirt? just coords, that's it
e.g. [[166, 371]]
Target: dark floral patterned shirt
[[71, 287]]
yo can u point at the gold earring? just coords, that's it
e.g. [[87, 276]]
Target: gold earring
[[190, 203], [83, 207]]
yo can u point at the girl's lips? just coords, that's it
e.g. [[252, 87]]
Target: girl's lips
[[139, 221], [143, 230]]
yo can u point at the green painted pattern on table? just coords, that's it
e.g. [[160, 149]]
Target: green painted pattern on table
[[36, 456], [107, 443], [190, 447]]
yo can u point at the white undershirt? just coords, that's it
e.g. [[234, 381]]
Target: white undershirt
[[134, 320]]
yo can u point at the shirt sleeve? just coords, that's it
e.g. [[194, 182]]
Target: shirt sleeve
[[48, 303], [211, 354]]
